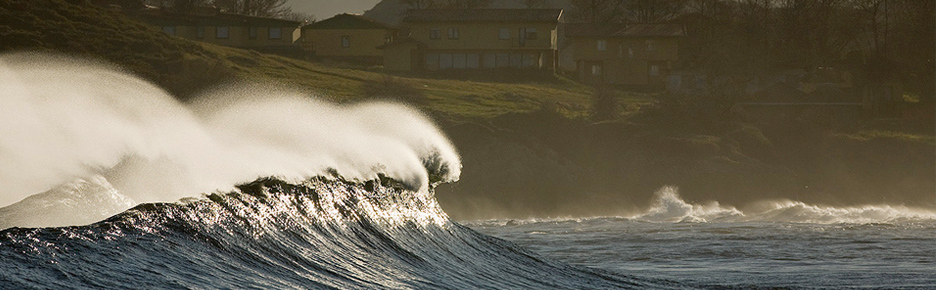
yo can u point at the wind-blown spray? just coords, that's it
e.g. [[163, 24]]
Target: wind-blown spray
[[76, 129]]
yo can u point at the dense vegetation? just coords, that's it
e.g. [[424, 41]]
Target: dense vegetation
[[539, 146]]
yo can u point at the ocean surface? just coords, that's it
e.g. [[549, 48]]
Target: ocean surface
[[108, 182], [889, 255]]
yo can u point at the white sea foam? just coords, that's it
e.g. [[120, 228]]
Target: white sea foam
[[72, 122], [669, 207]]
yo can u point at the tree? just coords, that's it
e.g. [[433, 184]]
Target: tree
[[530, 4], [597, 11], [467, 4], [262, 8], [420, 4], [653, 11]]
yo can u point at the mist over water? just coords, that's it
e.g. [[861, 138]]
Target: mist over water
[[669, 207], [77, 131]]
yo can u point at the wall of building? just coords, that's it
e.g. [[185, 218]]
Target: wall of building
[[361, 42], [238, 36], [484, 36], [627, 61], [402, 57]]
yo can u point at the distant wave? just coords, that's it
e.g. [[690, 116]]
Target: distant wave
[[669, 207]]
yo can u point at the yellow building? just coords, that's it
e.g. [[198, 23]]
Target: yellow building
[[476, 39], [259, 33], [636, 54], [348, 37]]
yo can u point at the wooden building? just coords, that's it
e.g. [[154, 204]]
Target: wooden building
[[634, 55], [476, 39], [235, 30], [347, 36]]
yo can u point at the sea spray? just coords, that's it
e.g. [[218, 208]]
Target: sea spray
[[66, 120], [669, 207]]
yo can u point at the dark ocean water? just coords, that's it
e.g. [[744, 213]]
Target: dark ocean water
[[272, 234], [897, 255]]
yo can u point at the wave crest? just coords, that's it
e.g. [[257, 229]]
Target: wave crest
[[78, 120], [669, 207]]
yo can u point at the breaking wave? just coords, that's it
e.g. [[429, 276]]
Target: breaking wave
[[111, 183], [71, 124], [669, 207], [273, 234]]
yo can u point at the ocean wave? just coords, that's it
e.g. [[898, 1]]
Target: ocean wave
[[668, 206], [319, 233], [77, 121]]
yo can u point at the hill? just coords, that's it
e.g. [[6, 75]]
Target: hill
[[530, 146]]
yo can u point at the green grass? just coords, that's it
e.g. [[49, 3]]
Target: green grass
[[868, 135], [186, 67]]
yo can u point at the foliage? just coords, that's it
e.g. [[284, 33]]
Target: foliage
[[604, 105], [391, 87]]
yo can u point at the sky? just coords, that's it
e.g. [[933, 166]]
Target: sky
[[324, 9]]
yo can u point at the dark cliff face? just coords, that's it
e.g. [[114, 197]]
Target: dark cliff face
[[540, 164]]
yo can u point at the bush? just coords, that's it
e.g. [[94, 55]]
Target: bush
[[390, 87]]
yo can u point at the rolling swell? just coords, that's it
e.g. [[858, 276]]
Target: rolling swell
[[274, 234]]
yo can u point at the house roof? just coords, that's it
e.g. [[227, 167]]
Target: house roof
[[621, 30], [482, 15], [348, 21], [161, 17]]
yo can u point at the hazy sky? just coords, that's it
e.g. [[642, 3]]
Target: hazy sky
[[324, 9]]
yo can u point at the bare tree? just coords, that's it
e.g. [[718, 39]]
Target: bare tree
[[653, 11], [467, 4], [533, 3], [262, 8], [420, 4], [598, 11]]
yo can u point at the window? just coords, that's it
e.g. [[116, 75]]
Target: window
[[445, 60], [435, 33], [529, 60], [453, 33], [515, 60], [654, 70], [432, 61], [170, 30], [501, 61], [252, 33], [471, 60], [650, 45], [503, 33], [596, 69], [530, 33], [200, 32], [277, 33], [458, 60], [488, 61], [222, 32], [345, 41], [602, 45]]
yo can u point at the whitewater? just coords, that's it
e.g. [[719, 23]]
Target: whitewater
[[110, 182]]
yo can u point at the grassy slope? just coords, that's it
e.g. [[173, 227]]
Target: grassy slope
[[184, 67], [532, 152]]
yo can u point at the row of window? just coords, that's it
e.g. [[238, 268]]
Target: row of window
[[603, 45], [503, 33], [224, 32], [653, 70], [438, 61]]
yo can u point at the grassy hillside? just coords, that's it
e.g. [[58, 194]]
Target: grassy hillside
[[521, 158], [185, 67]]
